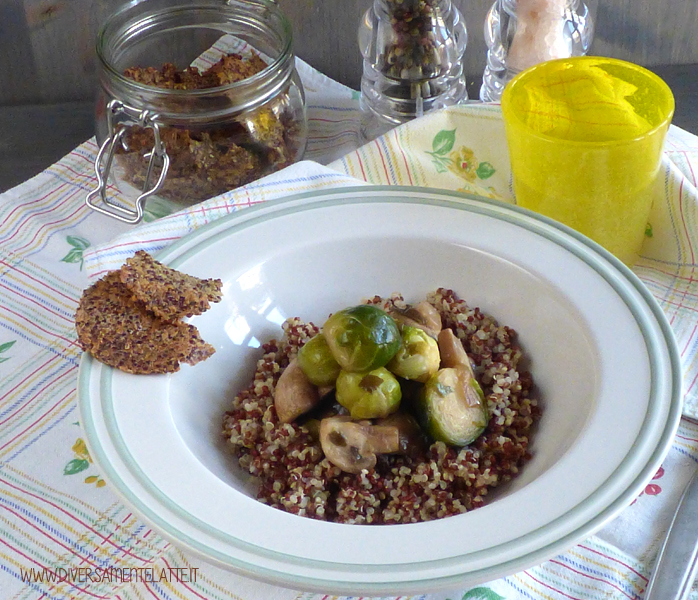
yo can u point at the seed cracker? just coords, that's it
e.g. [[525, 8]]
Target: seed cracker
[[120, 331], [166, 292]]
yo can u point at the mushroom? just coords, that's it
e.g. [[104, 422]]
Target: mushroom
[[384, 438], [452, 352], [324, 390], [422, 315], [294, 394], [454, 356], [411, 437], [352, 445]]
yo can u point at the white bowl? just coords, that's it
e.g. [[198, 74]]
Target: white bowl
[[602, 356]]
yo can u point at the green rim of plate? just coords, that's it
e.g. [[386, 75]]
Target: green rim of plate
[[614, 272]]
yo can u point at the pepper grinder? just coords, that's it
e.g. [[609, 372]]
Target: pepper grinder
[[412, 61], [522, 33]]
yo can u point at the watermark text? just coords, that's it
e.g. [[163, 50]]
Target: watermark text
[[110, 574]]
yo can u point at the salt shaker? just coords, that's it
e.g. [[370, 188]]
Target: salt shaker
[[412, 61], [522, 33]]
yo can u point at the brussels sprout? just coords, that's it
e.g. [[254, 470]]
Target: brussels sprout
[[369, 395], [418, 356], [362, 338], [317, 362], [452, 407]]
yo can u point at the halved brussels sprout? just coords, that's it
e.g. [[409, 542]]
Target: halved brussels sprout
[[418, 356], [362, 338], [371, 395], [318, 363], [452, 407]]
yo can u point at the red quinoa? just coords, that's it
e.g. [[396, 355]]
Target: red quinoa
[[295, 476]]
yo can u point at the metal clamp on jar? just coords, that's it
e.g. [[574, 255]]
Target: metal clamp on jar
[[105, 157], [194, 100]]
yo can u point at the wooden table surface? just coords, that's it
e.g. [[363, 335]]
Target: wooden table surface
[[34, 137]]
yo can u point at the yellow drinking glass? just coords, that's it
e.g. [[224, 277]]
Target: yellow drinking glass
[[585, 138]]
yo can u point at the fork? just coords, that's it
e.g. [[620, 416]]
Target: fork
[[677, 561]]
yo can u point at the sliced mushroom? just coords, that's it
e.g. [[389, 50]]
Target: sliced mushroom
[[410, 435], [422, 315], [454, 356], [345, 444], [324, 390], [384, 439], [452, 352], [294, 394], [470, 386], [353, 445]]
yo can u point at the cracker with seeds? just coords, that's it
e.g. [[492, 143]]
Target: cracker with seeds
[[166, 292], [121, 332]]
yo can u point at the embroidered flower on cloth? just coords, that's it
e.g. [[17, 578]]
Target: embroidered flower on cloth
[[464, 164], [652, 489], [81, 462]]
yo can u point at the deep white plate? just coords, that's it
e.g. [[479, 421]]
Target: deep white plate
[[602, 356]]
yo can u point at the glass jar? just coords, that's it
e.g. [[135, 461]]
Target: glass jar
[[412, 61], [195, 98]]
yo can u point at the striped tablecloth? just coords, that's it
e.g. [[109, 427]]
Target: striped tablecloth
[[59, 519]]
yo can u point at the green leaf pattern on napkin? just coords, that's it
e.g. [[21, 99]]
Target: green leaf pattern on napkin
[[482, 593], [440, 147], [156, 208], [484, 170], [78, 246], [75, 466], [4, 348], [444, 141], [82, 462], [445, 156]]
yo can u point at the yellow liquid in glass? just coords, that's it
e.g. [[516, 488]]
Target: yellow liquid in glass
[[585, 140], [618, 223]]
